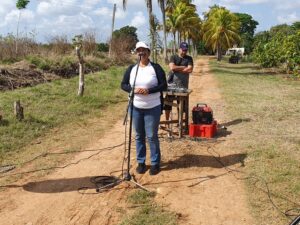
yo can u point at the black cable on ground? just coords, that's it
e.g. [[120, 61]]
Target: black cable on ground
[[105, 183], [286, 213], [102, 184], [98, 151], [12, 166]]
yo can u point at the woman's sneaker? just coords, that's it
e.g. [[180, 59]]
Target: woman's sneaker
[[141, 168], [154, 169]]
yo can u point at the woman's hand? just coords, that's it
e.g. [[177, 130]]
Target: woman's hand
[[142, 91]]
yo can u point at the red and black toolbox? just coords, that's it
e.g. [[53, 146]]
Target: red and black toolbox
[[203, 124]]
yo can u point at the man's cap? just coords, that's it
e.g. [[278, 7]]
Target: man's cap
[[184, 46], [141, 44]]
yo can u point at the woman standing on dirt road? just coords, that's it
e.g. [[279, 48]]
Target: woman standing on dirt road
[[147, 106]]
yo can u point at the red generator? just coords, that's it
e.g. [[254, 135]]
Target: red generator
[[203, 123], [202, 114]]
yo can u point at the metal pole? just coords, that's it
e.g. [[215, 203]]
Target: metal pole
[[130, 105]]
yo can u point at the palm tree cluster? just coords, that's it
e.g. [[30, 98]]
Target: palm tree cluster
[[219, 30], [183, 22]]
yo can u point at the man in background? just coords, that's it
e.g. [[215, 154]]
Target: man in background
[[181, 65]]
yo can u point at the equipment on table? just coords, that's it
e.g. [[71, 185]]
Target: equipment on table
[[173, 88]]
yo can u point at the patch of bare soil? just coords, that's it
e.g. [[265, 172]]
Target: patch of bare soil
[[193, 182], [22, 74]]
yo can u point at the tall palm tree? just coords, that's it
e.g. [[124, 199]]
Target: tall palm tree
[[193, 31], [20, 4], [172, 25], [157, 42], [221, 30], [180, 16], [162, 4]]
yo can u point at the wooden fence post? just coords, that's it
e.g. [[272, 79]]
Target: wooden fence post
[[81, 72], [18, 110], [78, 41]]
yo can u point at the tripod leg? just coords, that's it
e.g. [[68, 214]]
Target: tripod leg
[[139, 185]]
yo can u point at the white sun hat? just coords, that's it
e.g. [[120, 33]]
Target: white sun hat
[[141, 44]]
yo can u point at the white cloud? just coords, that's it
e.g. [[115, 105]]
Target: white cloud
[[245, 1], [288, 18], [91, 2], [121, 14], [6, 6], [129, 2], [56, 7], [103, 11], [138, 20], [287, 5], [13, 16], [67, 25], [202, 5], [107, 13]]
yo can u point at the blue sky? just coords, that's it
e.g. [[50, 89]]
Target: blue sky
[[45, 19]]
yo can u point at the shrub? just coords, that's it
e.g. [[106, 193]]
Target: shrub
[[89, 43], [121, 49], [8, 52], [103, 47], [281, 49], [60, 45]]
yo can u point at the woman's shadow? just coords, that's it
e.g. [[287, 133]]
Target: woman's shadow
[[190, 160], [60, 185]]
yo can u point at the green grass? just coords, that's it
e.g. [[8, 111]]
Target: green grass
[[148, 212], [272, 137], [53, 104], [140, 197]]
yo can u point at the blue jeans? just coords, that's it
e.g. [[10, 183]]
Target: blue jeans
[[146, 122]]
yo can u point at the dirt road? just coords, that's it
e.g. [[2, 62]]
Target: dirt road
[[193, 181]]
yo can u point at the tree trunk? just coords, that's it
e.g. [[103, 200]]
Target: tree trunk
[[81, 72], [112, 30], [151, 22], [219, 52], [17, 37], [174, 44], [154, 53], [162, 6], [18, 110], [195, 49]]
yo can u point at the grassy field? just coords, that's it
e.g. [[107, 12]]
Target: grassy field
[[271, 138], [51, 105]]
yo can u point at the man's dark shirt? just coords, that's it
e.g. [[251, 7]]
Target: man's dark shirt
[[181, 79]]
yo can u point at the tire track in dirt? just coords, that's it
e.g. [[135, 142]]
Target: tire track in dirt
[[192, 182]]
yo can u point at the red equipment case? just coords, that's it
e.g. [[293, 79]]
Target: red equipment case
[[203, 130]]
